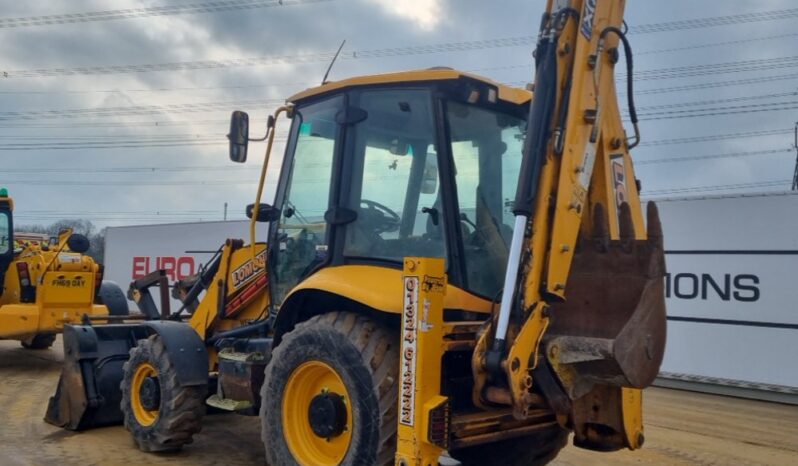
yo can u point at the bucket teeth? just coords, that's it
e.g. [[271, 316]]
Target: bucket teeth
[[601, 234], [654, 225], [626, 228]]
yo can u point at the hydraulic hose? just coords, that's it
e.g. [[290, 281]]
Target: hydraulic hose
[[630, 96]]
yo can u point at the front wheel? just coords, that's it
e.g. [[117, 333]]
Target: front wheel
[[159, 413], [329, 395]]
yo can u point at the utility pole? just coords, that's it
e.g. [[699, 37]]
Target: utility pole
[[225, 204], [795, 145]]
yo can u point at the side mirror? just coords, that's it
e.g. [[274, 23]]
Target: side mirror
[[265, 213], [78, 243], [238, 136]]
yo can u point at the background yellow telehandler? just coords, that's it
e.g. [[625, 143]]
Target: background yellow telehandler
[[48, 284], [451, 266]]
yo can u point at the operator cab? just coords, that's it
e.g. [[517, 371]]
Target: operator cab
[[408, 164], [6, 235]]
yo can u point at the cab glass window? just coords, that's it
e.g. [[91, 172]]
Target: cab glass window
[[486, 148], [395, 188], [5, 233], [302, 230]]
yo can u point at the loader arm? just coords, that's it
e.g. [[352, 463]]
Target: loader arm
[[581, 319]]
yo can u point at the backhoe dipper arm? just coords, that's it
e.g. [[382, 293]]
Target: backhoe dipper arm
[[575, 166]]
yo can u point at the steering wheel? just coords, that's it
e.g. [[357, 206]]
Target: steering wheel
[[380, 217]]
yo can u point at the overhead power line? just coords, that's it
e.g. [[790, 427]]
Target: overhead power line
[[716, 137], [529, 65], [138, 182], [723, 187], [112, 124], [231, 5], [14, 116], [387, 52], [707, 45], [130, 13], [715, 68], [714, 84], [714, 21], [276, 59], [718, 111], [138, 170], [135, 110], [697, 103], [698, 158]]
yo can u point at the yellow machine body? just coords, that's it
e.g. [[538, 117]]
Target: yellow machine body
[[59, 289]]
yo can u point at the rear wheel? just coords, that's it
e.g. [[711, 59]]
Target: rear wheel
[[159, 413], [329, 395], [39, 341], [531, 450]]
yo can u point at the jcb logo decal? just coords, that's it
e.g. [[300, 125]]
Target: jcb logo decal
[[619, 180]]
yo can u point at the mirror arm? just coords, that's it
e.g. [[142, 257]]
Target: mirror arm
[[269, 129], [270, 135]]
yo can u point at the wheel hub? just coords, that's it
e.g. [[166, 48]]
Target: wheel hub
[[150, 393], [327, 415]]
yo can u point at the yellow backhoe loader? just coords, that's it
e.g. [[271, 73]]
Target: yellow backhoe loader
[[453, 266], [48, 283]]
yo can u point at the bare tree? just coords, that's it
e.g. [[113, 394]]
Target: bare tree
[[82, 226]]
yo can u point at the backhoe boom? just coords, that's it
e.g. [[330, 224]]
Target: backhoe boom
[[582, 301]]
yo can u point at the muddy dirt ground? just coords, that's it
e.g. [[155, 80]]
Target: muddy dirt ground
[[682, 428]]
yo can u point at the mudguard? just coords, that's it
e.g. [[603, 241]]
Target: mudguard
[[88, 393]]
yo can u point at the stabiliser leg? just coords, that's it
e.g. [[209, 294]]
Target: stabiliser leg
[[423, 412]]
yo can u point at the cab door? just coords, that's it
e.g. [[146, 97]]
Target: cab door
[[301, 240]]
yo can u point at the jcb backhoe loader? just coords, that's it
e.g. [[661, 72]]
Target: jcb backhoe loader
[[452, 266], [47, 284]]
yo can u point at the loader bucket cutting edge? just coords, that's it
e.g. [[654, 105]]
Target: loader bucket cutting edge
[[611, 331], [88, 393]]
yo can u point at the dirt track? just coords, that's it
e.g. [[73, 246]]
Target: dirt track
[[682, 428]]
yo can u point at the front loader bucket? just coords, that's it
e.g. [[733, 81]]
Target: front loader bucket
[[88, 393], [611, 329]]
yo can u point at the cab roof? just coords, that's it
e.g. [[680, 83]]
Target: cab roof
[[506, 93]]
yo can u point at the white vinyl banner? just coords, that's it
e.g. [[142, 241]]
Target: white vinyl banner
[[179, 249], [730, 289]]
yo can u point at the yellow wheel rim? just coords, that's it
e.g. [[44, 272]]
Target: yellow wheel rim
[[143, 416], [306, 382]]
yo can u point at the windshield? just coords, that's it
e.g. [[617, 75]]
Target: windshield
[[5, 233], [486, 148], [302, 229]]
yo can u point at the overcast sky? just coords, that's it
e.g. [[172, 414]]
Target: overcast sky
[[72, 93]]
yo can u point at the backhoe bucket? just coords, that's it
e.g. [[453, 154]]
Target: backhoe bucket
[[611, 329], [88, 393]]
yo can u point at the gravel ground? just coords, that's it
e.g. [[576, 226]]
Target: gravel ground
[[682, 428]]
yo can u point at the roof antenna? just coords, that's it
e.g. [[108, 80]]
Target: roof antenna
[[324, 81]]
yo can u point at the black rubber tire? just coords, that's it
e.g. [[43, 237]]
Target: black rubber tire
[[360, 351], [40, 341], [532, 450], [181, 409], [111, 295]]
